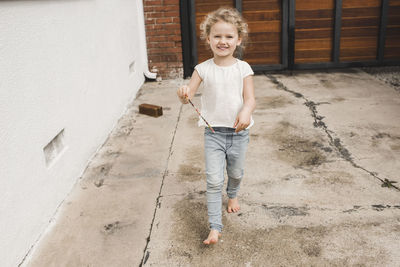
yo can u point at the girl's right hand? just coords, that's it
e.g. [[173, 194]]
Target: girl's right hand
[[183, 94]]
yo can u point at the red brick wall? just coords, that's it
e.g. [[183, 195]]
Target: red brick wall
[[163, 35]]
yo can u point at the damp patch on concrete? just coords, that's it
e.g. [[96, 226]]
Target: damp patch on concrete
[[280, 245], [297, 150], [242, 244], [278, 211], [331, 178], [385, 139], [189, 173], [111, 228], [327, 83], [272, 102]]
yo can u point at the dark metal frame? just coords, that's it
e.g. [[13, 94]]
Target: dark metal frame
[[185, 32], [189, 42], [337, 30], [239, 5], [291, 33], [193, 32], [382, 30]]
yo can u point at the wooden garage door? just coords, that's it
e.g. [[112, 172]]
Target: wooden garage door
[[392, 45], [360, 30], [264, 19], [314, 31], [303, 34]]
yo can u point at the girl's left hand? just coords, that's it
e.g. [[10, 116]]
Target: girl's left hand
[[242, 121]]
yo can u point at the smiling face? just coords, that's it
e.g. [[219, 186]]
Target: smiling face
[[223, 39]]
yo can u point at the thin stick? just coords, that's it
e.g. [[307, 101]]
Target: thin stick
[[201, 116]]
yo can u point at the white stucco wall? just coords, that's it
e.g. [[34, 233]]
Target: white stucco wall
[[64, 64]]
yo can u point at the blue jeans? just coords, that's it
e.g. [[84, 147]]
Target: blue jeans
[[223, 148]]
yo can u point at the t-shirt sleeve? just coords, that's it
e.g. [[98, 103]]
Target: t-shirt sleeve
[[200, 70], [246, 69]]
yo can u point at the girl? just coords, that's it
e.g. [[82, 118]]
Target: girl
[[227, 103]]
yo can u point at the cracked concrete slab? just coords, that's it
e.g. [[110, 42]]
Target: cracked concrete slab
[[321, 147]]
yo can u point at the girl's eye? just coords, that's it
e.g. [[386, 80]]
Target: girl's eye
[[230, 37]]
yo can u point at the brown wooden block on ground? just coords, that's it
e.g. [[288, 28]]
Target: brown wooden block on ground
[[151, 110]]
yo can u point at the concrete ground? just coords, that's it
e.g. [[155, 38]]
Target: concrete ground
[[317, 189]]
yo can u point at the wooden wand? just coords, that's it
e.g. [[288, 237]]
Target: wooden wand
[[198, 112]]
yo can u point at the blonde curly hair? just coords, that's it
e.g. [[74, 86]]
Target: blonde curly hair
[[229, 15]]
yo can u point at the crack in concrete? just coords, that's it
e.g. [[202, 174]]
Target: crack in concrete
[[293, 210], [334, 142], [201, 192], [146, 253]]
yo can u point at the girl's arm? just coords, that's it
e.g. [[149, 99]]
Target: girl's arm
[[186, 92], [249, 104]]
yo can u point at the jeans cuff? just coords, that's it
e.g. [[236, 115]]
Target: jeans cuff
[[216, 227], [232, 195]]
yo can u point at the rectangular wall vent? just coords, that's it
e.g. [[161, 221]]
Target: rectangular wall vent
[[54, 149]]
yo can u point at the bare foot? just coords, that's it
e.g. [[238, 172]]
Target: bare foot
[[212, 237], [233, 205]]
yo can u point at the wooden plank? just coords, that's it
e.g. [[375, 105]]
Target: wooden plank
[[257, 5], [264, 36], [270, 26], [393, 42], [393, 20], [265, 46], [313, 53], [322, 13], [359, 31], [314, 23], [394, 3], [262, 1], [320, 43], [262, 59], [212, 2], [262, 15], [393, 31], [312, 60], [315, 4], [360, 22], [357, 58], [263, 54], [347, 42], [358, 51], [361, 3], [253, 16], [394, 11], [210, 7], [314, 34], [361, 12], [390, 51]]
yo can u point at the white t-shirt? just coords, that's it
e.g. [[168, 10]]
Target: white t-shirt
[[222, 96]]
